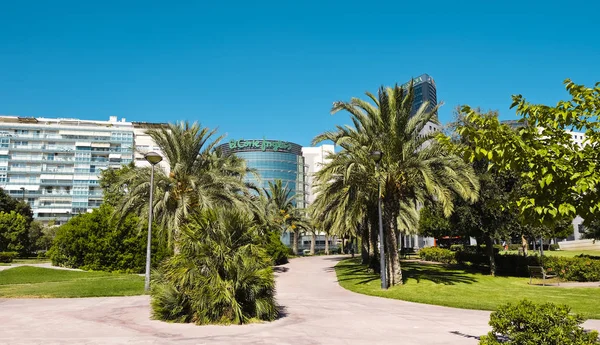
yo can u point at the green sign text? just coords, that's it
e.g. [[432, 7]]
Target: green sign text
[[260, 144]]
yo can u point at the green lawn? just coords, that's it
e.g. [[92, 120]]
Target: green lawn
[[36, 282], [436, 284]]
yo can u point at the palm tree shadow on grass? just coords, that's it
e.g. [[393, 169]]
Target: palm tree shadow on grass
[[436, 274], [410, 271]]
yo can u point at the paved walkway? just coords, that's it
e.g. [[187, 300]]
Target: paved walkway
[[43, 265], [318, 311]]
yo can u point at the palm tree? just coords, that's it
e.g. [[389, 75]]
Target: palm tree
[[222, 273], [283, 211], [199, 176], [414, 167]]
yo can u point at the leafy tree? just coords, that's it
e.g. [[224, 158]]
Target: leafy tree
[[414, 168], [221, 275], [13, 233], [8, 204], [433, 223], [560, 178], [593, 229], [95, 241]]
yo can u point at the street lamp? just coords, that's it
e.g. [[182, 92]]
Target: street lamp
[[23, 190], [153, 158], [377, 155]]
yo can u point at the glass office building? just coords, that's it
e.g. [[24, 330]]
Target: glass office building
[[425, 91], [273, 160]]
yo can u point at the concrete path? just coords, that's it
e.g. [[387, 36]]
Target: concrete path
[[317, 311], [43, 265]]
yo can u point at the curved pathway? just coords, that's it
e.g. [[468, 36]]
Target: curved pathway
[[317, 311]]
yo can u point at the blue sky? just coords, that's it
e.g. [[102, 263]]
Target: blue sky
[[273, 69]]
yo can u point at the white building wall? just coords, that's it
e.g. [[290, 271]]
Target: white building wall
[[314, 159], [55, 164]]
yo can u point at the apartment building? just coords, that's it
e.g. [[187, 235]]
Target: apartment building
[[55, 164]]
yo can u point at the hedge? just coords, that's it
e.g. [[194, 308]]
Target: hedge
[[580, 268], [437, 254], [7, 257]]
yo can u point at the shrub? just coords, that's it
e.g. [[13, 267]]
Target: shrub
[[222, 274], [276, 249], [438, 255], [456, 247], [527, 323], [579, 269], [554, 247], [514, 246], [7, 257], [92, 241]]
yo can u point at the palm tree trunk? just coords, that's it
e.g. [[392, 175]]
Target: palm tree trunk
[[364, 242], [313, 242], [326, 244], [373, 248], [295, 242], [389, 228]]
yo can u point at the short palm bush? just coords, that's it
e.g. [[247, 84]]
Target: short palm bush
[[222, 273]]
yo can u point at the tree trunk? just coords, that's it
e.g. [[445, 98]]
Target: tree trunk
[[489, 247], [389, 228], [364, 242], [394, 258], [326, 244], [373, 245], [295, 242], [313, 242]]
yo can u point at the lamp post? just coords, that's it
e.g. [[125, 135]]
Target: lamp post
[[377, 155], [153, 158], [23, 197]]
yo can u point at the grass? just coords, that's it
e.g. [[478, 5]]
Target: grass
[[37, 282], [563, 253], [438, 285]]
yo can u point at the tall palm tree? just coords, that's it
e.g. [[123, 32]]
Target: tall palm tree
[[414, 167], [199, 176], [282, 209]]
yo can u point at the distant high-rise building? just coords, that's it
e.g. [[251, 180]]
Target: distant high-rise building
[[425, 91]]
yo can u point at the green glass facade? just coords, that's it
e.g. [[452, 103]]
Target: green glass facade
[[273, 160]]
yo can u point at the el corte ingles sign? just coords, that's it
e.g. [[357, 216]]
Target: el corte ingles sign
[[260, 144]]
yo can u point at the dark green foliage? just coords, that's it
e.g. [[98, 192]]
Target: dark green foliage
[[527, 323], [277, 251], [13, 232], [8, 204], [592, 229], [438, 255], [222, 274], [93, 241], [580, 268], [554, 247], [6, 257], [514, 246]]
